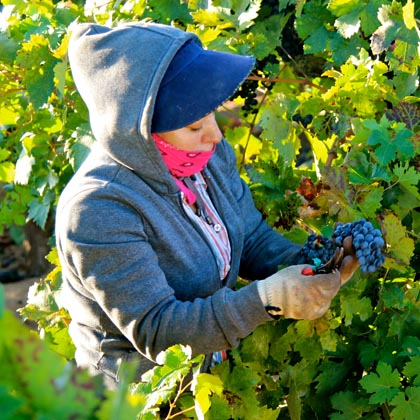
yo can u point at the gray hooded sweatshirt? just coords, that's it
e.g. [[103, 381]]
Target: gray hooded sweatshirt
[[138, 275]]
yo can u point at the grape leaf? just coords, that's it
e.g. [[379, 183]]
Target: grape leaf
[[8, 49], [393, 296], [348, 24], [10, 403], [400, 246], [257, 344], [407, 404], [329, 340], [220, 408], [203, 387], [267, 34], [38, 212], [353, 305], [352, 408], [368, 354], [410, 346], [7, 172], [212, 18], [405, 112], [383, 385], [408, 15], [331, 376], [37, 64], [340, 7], [406, 174], [368, 17], [312, 22], [412, 370], [50, 387], [369, 201]]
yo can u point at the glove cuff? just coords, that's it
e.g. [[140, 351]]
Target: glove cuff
[[265, 296]]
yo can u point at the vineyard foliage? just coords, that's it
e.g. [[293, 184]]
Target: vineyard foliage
[[326, 130]]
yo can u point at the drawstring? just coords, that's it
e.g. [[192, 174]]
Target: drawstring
[[199, 203]]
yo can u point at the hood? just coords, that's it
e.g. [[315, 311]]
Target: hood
[[117, 74]]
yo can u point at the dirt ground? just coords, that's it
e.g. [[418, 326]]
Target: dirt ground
[[16, 292], [22, 265]]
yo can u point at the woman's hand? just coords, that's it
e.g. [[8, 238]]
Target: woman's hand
[[295, 295], [349, 264]]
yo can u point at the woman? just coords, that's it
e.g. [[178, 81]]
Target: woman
[[155, 227]]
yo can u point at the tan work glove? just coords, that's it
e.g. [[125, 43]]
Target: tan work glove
[[349, 264], [294, 295]]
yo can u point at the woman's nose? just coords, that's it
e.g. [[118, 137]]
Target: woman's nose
[[212, 133]]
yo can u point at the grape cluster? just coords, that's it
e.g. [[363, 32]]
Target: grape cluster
[[318, 247], [367, 242], [304, 120], [248, 91]]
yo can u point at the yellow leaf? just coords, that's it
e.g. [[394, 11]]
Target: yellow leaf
[[408, 15], [401, 247], [61, 51], [7, 172]]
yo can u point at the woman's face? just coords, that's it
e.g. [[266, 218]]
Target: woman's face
[[199, 136]]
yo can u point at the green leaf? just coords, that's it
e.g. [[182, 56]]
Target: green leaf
[[204, 386], [369, 201], [313, 20], [351, 407], [38, 212], [359, 168], [10, 403], [294, 403], [331, 375], [407, 404], [368, 16], [383, 385], [402, 141], [407, 175], [412, 370], [37, 63], [8, 49], [393, 296], [353, 305], [410, 346], [348, 24], [49, 386], [266, 35], [246, 11]]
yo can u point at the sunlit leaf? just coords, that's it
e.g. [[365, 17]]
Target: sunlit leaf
[[383, 385]]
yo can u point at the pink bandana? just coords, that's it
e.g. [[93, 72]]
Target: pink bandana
[[182, 163]]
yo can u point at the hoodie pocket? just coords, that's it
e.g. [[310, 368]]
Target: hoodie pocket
[[133, 363]]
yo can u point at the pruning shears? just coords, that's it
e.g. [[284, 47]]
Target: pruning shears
[[332, 264]]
